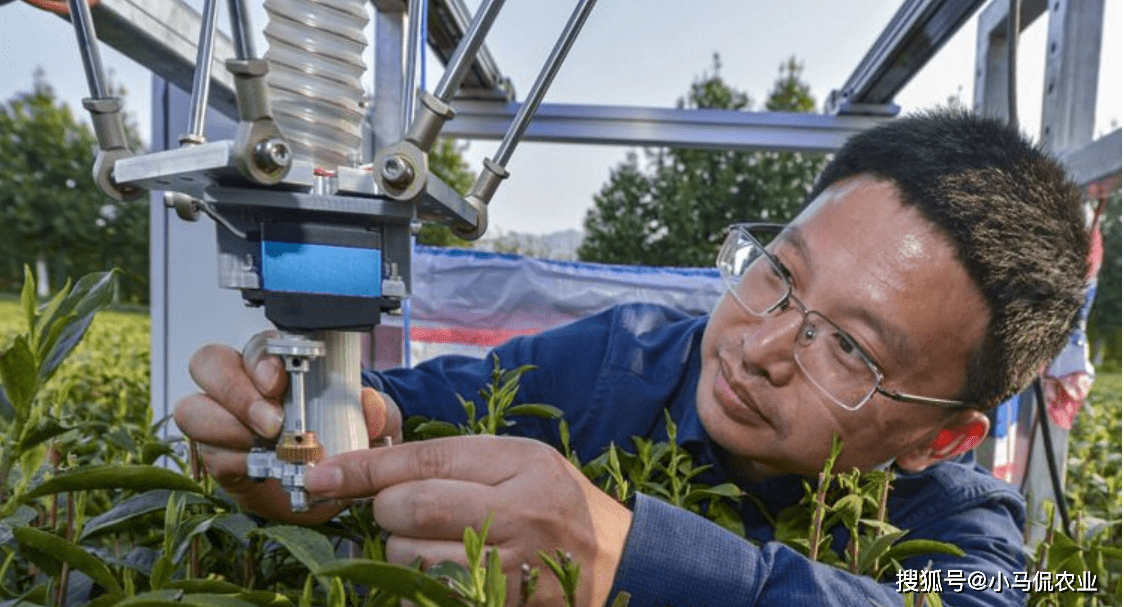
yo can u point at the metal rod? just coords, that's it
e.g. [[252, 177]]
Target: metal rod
[[241, 31], [1051, 465], [88, 46], [299, 401], [1012, 61], [414, 40], [542, 83], [466, 51], [201, 85]]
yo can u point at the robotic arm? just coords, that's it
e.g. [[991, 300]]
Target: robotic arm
[[305, 231]]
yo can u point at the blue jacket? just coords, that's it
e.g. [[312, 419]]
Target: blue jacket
[[615, 373]]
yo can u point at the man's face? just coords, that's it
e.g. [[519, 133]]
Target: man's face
[[881, 272]]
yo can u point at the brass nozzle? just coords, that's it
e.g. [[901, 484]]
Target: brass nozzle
[[299, 448]]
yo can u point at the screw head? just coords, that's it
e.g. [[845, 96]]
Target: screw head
[[396, 171], [272, 155]]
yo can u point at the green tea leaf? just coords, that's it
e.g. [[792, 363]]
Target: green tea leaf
[[1064, 555], [43, 431], [437, 429], [162, 571], [74, 315], [69, 553], [404, 582], [45, 313], [454, 575], [7, 411], [238, 526], [127, 510], [135, 478], [195, 526], [179, 598], [875, 550], [34, 597], [495, 583], [17, 372], [307, 546], [536, 410], [265, 598], [621, 600], [850, 509], [307, 592], [209, 586], [27, 297], [911, 548], [729, 490]]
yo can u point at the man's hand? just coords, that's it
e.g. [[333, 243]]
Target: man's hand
[[241, 398], [426, 493]]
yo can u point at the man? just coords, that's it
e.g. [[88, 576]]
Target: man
[[936, 268]]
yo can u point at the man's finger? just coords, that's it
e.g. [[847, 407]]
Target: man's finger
[[207, 422], [488, 460], [227, 466], [264, 369], [383, 419], [218, 370], [435, 509]]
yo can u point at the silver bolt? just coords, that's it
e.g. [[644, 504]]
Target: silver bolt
[[396, 171], [186, 207], [272, 155]]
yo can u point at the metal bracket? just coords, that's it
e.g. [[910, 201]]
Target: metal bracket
[[261, 153], [109, 127]]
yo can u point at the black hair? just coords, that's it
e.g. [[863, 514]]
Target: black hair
[[1014, 218]]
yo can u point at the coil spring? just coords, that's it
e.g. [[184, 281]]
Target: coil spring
[[315, 56]]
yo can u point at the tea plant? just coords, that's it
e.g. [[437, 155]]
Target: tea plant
[[1093, 545], [87, 519]]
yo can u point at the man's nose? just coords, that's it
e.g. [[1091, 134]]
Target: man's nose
[[768, 345]]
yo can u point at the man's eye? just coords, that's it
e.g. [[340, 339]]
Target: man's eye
[[847, 348]]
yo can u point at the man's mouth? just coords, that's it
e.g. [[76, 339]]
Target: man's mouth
[[741, 409]]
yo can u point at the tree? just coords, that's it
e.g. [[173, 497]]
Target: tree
[[1104, 317], [674, 211], [447, 163], [52, 215]]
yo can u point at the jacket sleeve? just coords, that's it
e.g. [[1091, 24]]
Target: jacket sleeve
[[676, 558]]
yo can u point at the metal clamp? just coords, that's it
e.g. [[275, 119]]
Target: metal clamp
[[297, 447]]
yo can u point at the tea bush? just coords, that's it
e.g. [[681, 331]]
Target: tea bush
[[86, 519]]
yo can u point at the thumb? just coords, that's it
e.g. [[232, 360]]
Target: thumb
[[382, 416]]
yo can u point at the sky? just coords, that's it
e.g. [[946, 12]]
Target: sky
[[629, 53]]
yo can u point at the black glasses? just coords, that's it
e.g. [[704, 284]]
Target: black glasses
[[830, 358]]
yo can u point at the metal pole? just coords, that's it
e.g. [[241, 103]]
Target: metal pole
[[415, 38], [1013, 12], [88, 46], [200, 87], [466, 51], [542, 83], [240, 30]]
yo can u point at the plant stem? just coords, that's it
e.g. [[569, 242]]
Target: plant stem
[[64, 577], [6, 462], [817, 518], [884, 496]]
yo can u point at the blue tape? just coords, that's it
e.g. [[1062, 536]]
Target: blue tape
[[321, 268]]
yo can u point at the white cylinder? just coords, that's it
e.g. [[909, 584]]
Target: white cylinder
[[335, 413]]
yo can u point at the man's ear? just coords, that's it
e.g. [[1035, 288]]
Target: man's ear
[[963, 433]]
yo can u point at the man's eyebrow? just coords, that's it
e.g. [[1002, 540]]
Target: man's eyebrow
[[893, 337]]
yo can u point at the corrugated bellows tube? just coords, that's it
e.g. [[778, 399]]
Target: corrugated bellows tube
[[315, 70]]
